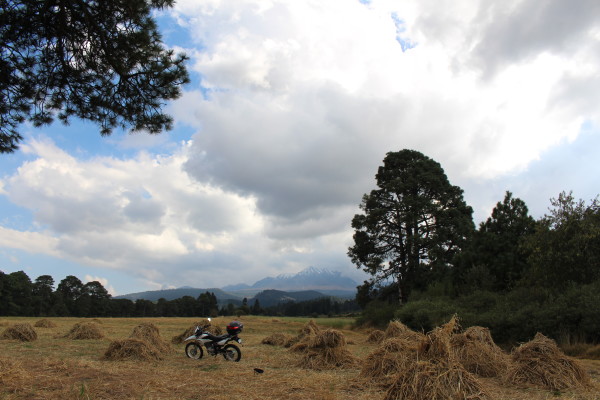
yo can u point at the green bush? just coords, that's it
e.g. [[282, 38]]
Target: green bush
[[424, 315], [377, 313]]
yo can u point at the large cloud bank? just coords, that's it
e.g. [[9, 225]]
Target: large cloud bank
[[296, 104]]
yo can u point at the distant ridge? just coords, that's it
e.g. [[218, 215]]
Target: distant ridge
[[307, 284], [172, 294], [328, 282]]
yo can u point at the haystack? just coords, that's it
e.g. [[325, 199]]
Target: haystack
[[149, 332], [392, 356], [397, 329], [541, 363], [476, 351], [301, 342], [278, 339], [45, 323], [425, 380], [84, 330], [21, 332], [435, 346], [327, 350], [376, 336], [132, 349], [215, 330]]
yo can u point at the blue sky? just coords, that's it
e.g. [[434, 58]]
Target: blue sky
[[291, 109]]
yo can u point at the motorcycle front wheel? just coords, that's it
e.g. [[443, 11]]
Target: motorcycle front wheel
[[232, 353], [194, 350]]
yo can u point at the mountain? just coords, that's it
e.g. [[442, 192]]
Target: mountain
[[305, 285], [331, 283], [239, 286], [172, 294]]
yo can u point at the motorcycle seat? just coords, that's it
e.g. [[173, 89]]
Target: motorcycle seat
[[217, 338]]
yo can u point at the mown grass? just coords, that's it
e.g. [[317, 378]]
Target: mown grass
[[54, 367]]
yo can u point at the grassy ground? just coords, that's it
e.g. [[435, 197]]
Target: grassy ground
[[53, 367]]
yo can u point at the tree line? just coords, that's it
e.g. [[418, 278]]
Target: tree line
[[19, 296], [512, 273]]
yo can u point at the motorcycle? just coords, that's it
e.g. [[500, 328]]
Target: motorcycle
[[215, 344]]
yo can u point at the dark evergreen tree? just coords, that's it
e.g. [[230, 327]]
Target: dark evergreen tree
[[43, 295], [70, 289], [495, 259], [21, 290], [101, 61], [145, 308], [413, 225], [256, 309], [565, 248], [4, 294], [99, 298]]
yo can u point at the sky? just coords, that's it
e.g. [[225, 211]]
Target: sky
[[291, 108]]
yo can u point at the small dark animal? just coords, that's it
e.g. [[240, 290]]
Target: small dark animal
[[258, 371]]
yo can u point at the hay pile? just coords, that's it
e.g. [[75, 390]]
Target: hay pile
[[215, 330], [417, 366], [426, 380], [45, 323], [435, 346], [132, 349], [84, 330], [149, 332], [541, 363], [326, 350], [376, 336], [278, 339], [476, 351], [301, 342], [392, 356], [21, 332], [397, 329]]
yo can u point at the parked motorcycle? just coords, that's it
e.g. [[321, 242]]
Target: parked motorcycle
[[215, 344]]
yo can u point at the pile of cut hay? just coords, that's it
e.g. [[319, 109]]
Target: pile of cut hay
[[392, 356], [435, 346], [278, 339], [150, 333], [376, 336], [327, 350], [132, 349], [424, 380], [416, 366], [21, 332], [301, 342], [397, 329], [540, 362], [215, 330], [45, 323], [476, 351], [84, 330]]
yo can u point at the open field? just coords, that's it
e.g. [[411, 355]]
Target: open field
[[55, 367]]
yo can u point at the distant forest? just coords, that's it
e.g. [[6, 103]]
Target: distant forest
[[19, 296]]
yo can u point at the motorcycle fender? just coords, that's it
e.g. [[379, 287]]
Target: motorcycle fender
[[190, 338]]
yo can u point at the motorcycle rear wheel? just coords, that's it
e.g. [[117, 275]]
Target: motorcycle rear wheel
[[232, 353], [194, 350]]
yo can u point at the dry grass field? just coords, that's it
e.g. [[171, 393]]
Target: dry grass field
[[56, 366]]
